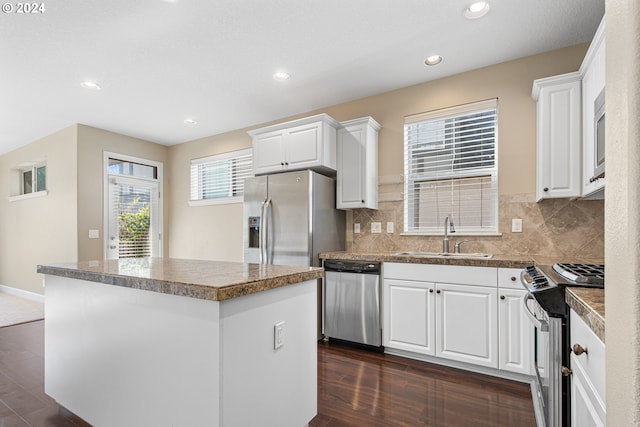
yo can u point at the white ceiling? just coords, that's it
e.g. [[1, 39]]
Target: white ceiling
[[159, 62]]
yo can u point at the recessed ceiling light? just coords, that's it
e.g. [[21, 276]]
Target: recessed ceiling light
[[281, 76], [477, 10], [190, 121], [433, 60], [88, 84]]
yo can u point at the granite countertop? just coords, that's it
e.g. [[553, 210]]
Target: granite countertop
[[588, 303], [502, 261], [210, 280]]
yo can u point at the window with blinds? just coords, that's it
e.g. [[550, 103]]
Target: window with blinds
[[451, 168], [220, 179]]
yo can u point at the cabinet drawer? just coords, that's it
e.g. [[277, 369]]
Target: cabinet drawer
[[456, 274], [509, 278], [592, 361]]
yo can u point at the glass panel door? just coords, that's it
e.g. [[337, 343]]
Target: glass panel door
[[133, 226]]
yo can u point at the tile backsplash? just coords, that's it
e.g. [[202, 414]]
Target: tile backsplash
[[556, 227]]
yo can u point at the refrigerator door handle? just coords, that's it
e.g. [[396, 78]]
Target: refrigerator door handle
[[265, 225], [261, 236]]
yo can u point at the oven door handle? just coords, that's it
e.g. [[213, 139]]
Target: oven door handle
[[542, 325]]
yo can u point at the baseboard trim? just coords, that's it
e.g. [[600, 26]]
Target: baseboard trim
[[22, 293]]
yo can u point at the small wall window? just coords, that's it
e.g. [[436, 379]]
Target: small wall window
[[451, 168], [220, 179], [28, 180]]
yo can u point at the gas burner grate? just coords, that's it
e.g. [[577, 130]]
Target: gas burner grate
[[581, 273]]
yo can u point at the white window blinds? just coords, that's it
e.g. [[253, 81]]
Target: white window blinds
[[451, 168], [220, 178]]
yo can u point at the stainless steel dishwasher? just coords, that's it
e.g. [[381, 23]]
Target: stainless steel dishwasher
[[352, 301]]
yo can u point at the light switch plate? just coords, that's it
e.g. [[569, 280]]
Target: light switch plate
[[516, 225], [390, 227], [278, 335], [356, 228], [94, 234], [376, 227]]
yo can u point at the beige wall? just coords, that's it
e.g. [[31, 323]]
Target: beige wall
[[203, 232], [39, 230], [92, 143], [622, 209], [570, 228]]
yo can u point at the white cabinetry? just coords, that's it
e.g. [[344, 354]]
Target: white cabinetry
[[593, 82], [515, 332], [308, 143], [559, 143], [450, 312], [466, 324], [357, 180], [588, 375]]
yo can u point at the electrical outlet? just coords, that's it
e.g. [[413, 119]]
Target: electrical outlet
[[356, 228], [376, 227], [516, 225], [278, 335], [390, 227], [94, 234]]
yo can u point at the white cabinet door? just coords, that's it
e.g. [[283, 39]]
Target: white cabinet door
[[409, 316], [467, 324], [587, 410], [268, 152], [559, 142], [357, 172], [308, 143], [515, 332], [593, 82], [302, 145]]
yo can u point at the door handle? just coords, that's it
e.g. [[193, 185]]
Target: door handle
[[542, 325]]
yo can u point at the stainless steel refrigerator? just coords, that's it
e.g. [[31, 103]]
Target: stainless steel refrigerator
[[289, 218]]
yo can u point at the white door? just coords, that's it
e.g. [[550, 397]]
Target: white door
[[410, 316], [515, 332], [134, 229], [467, 324]]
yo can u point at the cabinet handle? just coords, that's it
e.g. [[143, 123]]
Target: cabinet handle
[[545, 189], [502, 297], [566, 371], [513, 278], [578, 349], [361, 201], [281, 163], [431, 291], [438, 291]]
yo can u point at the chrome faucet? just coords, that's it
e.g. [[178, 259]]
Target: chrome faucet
[[448, 227]]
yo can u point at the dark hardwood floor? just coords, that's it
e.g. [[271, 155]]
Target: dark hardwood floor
[[356, 388]]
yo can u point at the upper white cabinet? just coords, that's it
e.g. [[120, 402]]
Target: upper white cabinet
[[567, 152], [593, 82], [357, 180], [559, 140], [308, 143]]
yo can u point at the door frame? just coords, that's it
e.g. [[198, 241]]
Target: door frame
[[105, 192]]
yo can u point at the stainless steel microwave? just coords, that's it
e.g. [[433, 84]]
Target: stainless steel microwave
[[599, 136]]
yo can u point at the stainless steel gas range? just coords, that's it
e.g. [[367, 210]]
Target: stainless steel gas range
[[546, 308]]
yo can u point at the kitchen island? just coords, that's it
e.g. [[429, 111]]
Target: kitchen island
[[168, 342]]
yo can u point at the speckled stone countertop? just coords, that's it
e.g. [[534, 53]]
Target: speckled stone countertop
[[210, 280], [588, 303], [501, 261]]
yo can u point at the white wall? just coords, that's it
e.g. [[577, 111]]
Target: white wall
[[622, 213]]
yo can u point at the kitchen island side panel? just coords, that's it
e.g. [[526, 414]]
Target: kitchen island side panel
[[128, 357]]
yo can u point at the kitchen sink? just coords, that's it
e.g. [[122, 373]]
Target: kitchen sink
[[475, 255]]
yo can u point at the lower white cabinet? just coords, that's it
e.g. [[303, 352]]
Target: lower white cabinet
[[515, 331], [466, 314], [466, 324], [456, 321], [588, 375]]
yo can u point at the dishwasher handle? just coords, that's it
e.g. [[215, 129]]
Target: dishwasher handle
[[360, 267]]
